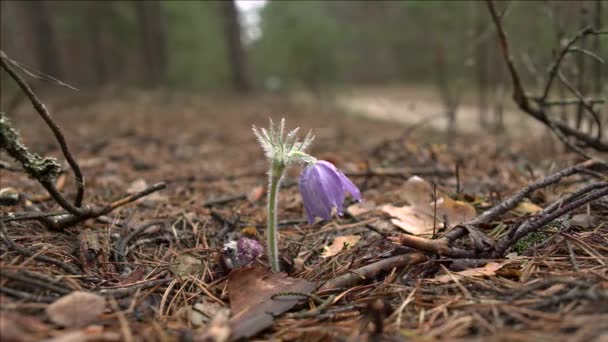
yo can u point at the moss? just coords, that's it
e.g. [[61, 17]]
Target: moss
[[529, 241], [42, 169]]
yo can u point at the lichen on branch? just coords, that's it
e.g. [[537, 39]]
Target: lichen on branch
[[41, 168]]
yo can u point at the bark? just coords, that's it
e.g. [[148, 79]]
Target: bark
[[234, 44], [581, 66], [44, 34], [597, 48], [481, 57], [95, 17]]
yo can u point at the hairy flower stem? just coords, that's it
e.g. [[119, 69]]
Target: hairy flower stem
[[276, 174]]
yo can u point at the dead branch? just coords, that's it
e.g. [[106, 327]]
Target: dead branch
[[541, 219], [70, 219], [523, 101], [46, 116], [46, 171], [369, 271], [511, 202], [443, 246]]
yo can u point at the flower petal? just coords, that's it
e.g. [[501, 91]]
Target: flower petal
[[349, 186], [313, 196]]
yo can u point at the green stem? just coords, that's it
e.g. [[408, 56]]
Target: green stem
[[276, 174]]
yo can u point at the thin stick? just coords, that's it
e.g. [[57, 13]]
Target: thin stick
[[46, 116]]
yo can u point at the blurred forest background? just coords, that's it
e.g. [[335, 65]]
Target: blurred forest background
[[317, 46]]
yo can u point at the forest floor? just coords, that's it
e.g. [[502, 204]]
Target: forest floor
[[153, 272]]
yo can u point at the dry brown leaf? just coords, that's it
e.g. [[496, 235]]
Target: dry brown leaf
[[186, 264], [137, 185], [526, 207], [250, 291], [488, 270], [417, 191], [340, 243], [218, 330], [256, 193], [76, 309], [417, 218], [410, 218], [359, 209], [456, 211]]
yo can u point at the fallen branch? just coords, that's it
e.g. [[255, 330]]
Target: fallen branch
[[483, 248], [541, 219], [352, 277]]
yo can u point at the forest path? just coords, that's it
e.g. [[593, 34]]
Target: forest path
[[423, 105]]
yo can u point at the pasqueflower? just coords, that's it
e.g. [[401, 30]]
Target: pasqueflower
[[323, 188]]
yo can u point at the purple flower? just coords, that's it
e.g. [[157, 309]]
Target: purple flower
[[322, 187]]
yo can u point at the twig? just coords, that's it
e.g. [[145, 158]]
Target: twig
[[120, 252], [46, 116], [69, 219], [542, 218], [586, 105], [224, 200], [26, 296], [372, 270], [557, 62], [127, 290], [519, 94], [399, 172], [511, 202], [23, 279], [570, 202]]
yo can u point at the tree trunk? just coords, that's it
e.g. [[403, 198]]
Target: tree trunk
[[597, 48], [95, 17], [581, 66], [46, 45], [154, 40], [234, 45], [481, 59], [448, 98]]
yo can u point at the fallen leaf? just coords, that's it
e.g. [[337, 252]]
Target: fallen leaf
[[340, 243], [488, 270], [137, 185], [203, 312], [417, 191], [411, 219], [456, 212], [361, 208], [420, 217], [250, 291], [216, 331], [256, 193], [526, 207], [76, 309], [186, 264]]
